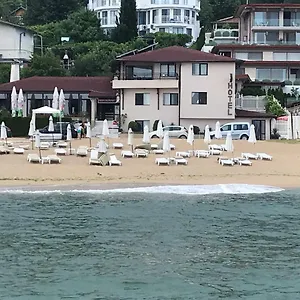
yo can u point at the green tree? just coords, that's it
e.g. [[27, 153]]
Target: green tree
[[273, 106], [126, 29], [169, 39], [4, 73], [46, 65], [200, 42]]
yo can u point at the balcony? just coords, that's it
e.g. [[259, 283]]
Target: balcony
[[276, 24], [146, 81], [252, 103]]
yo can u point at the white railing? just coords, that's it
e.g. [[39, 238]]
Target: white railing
[[254, 103]]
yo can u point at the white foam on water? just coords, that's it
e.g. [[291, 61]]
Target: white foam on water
[[164, 189]]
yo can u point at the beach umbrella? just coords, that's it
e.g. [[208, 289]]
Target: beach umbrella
[[20, 103], [69, 137], [102, 148], [14, 102], [207, 139], [3, 132], [191, 135], [105, 130], [146, 136], [55, 99], [61, 101], [218, 133], [252, 136], [38, 142], [166, 142], [228, 143], [51, 125], [89, 132], [130, 138], [31, 131], [160, 132]]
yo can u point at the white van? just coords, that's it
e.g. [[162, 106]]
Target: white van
[[238, 130]]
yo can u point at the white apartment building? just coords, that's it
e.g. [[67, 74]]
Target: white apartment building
[[172, 16]]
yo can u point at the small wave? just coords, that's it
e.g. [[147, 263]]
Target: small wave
[[164, 189]]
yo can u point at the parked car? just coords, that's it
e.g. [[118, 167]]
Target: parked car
[[238, 130], [56, 135], [174, 131]]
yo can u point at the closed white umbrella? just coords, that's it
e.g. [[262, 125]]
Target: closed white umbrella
[[89, 132], [38, 142], [159, 129], [102, 148], [55, 99], [69, 137], [3, 132], [14, 102], [166, 142], [31, 131], [146, 136], [191, 135], [130, 138], [252, 136], [218, 133], [61, 101], [228, 143], [20, 103], [105, 129], [51, 125], [207, 139]]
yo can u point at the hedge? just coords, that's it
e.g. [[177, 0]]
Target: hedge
[[20, 126]]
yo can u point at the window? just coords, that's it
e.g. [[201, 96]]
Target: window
[[167, 70], [154, 16], [103, 2], [189, 32], [200, 69], [280, 56], [114, 2], [240, 127], [271, 74], [293, 56], [255, 55], [178, 30], [165, 15], [170, 99], [113, 16], [142, 99], [226, 128], [177, 15], [104, 18], [199, 98], [139, 73], [175, 1]]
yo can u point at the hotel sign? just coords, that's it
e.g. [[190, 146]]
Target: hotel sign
[[230, 96]]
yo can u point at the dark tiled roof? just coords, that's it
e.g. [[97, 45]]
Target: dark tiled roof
[[68, 84], [243, 77], [272, 63], [245, 47], [17, 26], [176, 54], [100, 94], [228, 20], [252, 114]]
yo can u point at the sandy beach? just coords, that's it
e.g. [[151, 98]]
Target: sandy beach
[[282, 172]]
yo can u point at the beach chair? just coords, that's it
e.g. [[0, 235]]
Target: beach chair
[[227, 162], [222, 158], [183, 154], [82, 151], [264, 156], [4, 150], [154, 146], [162, 161], [144, 147], [127, 153], [141, 152], [60, 151], [94, 158], [181, 161], [117, 146], [215, 152], [62, 145], [18, 151], [24, 146], [172, 147], [104, 159], [223, 147], [54, 159], [215, 147], [242, 161], [45, 145], [158, 151], [202, 153], [113, 161], [249, 156], [33, 158]]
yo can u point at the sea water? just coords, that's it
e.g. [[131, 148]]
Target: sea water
[[188, 242]]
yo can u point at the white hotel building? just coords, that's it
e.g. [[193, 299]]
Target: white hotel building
[[172, 16]]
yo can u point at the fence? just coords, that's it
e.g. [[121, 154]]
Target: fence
[[288, 127]]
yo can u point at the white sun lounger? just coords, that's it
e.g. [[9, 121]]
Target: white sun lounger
[[154, 146], [24, 146], [113, 161], [181, 161], [141, 152], [249, 156], [33, 158], [60, 151], [202, 153], [215, 152], [172, 147], [162, 161], [242, 161], [18, 151], [44, 146], [127, 153], [62, 145], [4, 150], [183, 154], [117, 145], [94, 158], [82, 151], [264, 156], [227, 162], [158, 151], [54, 159], [216, 147], [223, 147]]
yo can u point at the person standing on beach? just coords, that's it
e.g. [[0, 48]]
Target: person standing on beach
[[79, 132], [83, 128]]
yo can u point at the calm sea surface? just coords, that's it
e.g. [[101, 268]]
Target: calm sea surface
[[150, 246]]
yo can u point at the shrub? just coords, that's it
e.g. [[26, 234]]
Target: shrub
[[273, 106], [135, 126]]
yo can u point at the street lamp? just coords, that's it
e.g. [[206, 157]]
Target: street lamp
[[42, 44]]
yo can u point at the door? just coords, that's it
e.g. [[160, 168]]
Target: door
[[260, 129], [106, 111]]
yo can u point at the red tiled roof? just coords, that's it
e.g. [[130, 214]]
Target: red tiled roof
[[244, 7], [252, 114], [176, 54], [271, 63], [228, 20], [68, 84], [243, 77], [221, 47]]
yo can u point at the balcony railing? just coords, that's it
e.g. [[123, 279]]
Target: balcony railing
[[253, 103], [175, 19], [277, 23], [147, 76]]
